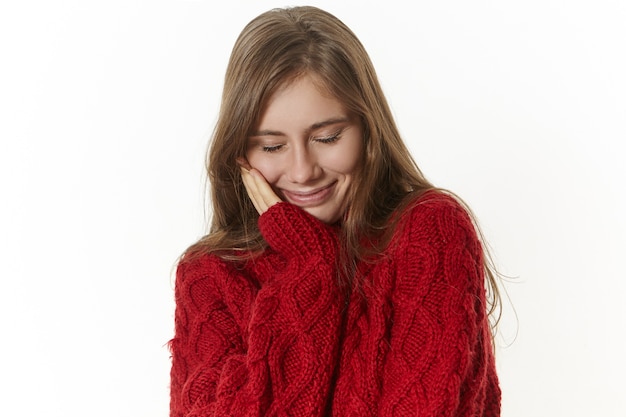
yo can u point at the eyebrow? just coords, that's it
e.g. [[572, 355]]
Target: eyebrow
[[314, 126]]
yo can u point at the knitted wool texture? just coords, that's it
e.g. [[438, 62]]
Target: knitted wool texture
[[273, 336]]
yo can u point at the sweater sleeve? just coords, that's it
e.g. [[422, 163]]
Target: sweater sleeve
[[440, 360], [243, 350]]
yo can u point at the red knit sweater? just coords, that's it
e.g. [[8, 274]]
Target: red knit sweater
[[275, 337]]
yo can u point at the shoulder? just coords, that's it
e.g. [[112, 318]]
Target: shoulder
[[435, 248], [436, 218], [196, 266], [198, 278], [201, 277], [204, 278]]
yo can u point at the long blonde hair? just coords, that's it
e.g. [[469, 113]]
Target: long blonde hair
[[277, 47]]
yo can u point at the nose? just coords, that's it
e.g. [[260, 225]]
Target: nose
[[304, 166]]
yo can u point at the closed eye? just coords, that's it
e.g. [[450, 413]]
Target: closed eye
[[329, 139], [271, 148]]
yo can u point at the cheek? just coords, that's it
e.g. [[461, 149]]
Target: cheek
[[339, 163], [267, 165], [345, 159]]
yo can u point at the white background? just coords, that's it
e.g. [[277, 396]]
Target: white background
[[105, 111]]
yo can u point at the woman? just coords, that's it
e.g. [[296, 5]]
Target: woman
[[335, 280]]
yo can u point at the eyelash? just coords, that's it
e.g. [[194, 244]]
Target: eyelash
[[328, 139], [272, 148]]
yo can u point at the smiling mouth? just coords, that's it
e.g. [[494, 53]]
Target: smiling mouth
[[309, 198]]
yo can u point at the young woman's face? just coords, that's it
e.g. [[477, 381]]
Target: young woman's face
[[308, 147]]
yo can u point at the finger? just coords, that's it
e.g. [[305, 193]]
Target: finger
[[266, 195], [250, 186]]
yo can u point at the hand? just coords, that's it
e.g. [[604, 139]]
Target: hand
[[259, 191]]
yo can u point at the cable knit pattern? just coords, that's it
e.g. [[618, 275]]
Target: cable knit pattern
[[263, 338]]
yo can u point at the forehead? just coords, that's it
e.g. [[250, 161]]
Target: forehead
[[302, 101]]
